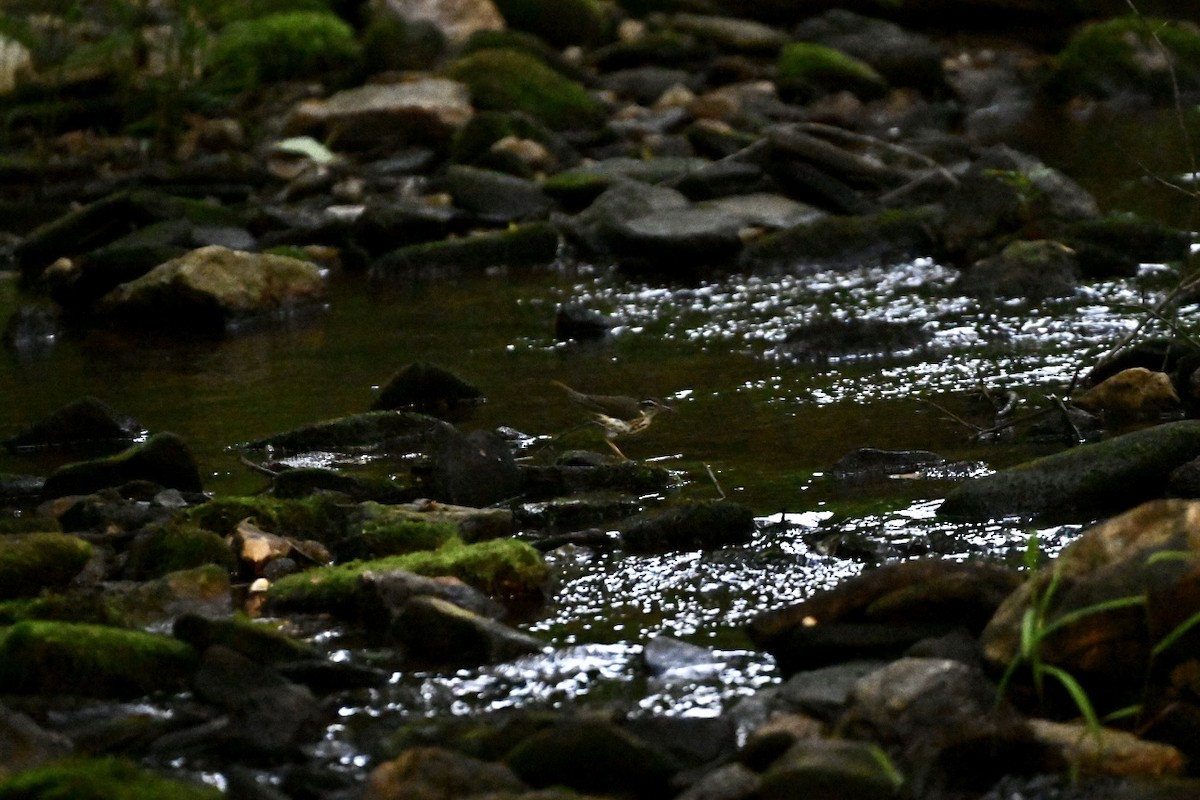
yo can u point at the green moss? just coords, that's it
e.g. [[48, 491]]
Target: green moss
[[390, 534], [33, 561], [257, 641], [506, 80], [504, 568], [290, 251], [99, 779], [1125, 54], [559, 22], [177, 547], [815, 62], [472, 142], [71, 607], [287, 46], [319, 517], [393, 43], [90, 660], [29, 525]]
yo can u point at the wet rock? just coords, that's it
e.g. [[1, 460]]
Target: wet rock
[[1134, 393], [825, 692], [455, 21], [690, 527], [900, 56], [831, 338], [508, 80], [592, 755], [85, 423], [1084, 482], [1115, 244], [428, 389], [396, 588], [943, 722], [90, 660], [268, 715], [614, 206], [261, 643], [164, 459], [645, 85], [308, 481], [870, 463], [256, 549], [376, 430], [731, 33], [561, 24], [474, 469], [433, 772], [531, 244], [508, 570], [494, 197], [882, 612], [203, 590], [90, 227], [512, 142], [426, 110], [676, 240], [128, 258], [724, 783], [31, 562], [890, 236], [1031, 270], [830, 769], [808, 71], [666, 656], [575, 323], [633, 179], [214, 288], [437, 632], [383, 227], [1108, 751], [429, 522], [168, 548], [24, 745], [1007, 196], [1142, 557]]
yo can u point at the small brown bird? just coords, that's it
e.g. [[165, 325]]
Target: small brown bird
[[618, 415]]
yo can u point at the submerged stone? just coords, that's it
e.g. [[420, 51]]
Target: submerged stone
[[428, 389], [84, 423], [1082, 483]]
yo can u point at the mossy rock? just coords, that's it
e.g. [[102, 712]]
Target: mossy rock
[[257, 641], [29, 524], [1124, 56], [502, 568], [531, 244], [805, 67], [164, 459], [525, 43], [507, 80], [170, 548], [392, 532], [287, 46], [1082, 483], [393, 43], [886, 237], [99, 779], [31, 562], [44, 657], [559, 22], [80, 606], [320, 517], [472, 142]]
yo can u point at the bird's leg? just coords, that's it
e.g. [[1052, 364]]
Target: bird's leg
[[617, 450]]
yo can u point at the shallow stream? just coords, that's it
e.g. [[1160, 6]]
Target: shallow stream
[[753, 422]]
